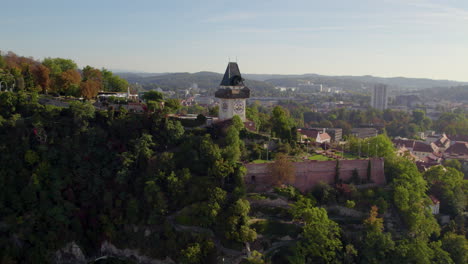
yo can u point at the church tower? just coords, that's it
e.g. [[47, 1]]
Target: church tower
[[232, 94]]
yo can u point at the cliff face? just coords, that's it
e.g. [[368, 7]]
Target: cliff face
[[309, 173]]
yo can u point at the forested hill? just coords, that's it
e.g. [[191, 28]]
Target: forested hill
[[175, 81], [88, 176]]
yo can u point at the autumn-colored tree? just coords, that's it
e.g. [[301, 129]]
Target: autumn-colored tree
[[68, 79], [90, 73], [374, 223], [41, 75], [89, 89], [282, 170]]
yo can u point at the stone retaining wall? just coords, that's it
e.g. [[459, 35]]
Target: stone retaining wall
[[309, 173]]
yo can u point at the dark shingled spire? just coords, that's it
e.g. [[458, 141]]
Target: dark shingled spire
[[232, 76]]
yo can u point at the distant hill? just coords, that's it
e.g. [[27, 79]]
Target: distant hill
[[263, 84], [182, 80], [353, 82]]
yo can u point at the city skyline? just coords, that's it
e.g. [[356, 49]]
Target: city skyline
[[388, 38]]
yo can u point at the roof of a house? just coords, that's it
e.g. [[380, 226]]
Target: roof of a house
[[458, 148], [443, 142], [313, 133], [434, 199], [407, 143], [458, 138], [423, 147]]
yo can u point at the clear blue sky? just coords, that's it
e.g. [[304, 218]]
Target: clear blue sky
[[413, 38]]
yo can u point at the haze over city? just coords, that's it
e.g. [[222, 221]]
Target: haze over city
[[415, 38]]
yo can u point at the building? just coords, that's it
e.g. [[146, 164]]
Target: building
[[319, 136], [435, 205], [364, 132], [379, 97], [423, 150], [458, 150], [409, 100], [232, 94], [105, 96], [336, 134], [204, 100]]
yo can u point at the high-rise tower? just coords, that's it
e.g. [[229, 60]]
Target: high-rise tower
[[379, 97], [232, 94]]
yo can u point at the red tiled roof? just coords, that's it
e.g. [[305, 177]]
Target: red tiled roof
[[310, 133], [443, 141], [423, 147], [458, 148], [324, 136], [434, 199], [407, 143], [458, 138]]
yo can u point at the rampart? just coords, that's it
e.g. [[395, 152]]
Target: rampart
[[309, 173]]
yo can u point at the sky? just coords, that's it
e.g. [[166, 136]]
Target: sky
[[388, 38]]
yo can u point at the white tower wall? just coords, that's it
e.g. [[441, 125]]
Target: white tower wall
[[228, 108]]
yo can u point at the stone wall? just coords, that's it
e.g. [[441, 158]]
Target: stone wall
[[309, 173]]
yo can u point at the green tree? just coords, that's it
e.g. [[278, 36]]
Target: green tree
[[281, 123], [59, 65], [447, 184], [152, 96], [409, 196], [321, 237], [236, 223], [377, 245], [113, 82], [232, 150], [456, 246]]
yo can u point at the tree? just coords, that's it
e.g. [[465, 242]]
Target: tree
[[321, 236], [237, 123], [68, 81], [152, 96], [59, 65], [453, 163], [89, 89], [282, 170], [281, 123], [409, 196], [447, 185], [172, 104], [41, 74], [380, 146], [92, 82], [113, 83], [2, 62], [456, 246], [232, 150], [377, 245], [236, 222]]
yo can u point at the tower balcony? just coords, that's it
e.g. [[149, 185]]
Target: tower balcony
[[233, 93]]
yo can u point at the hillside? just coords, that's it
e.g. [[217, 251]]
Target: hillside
[[205, 80], [265, 82]]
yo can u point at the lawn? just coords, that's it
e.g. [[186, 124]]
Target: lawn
[[319, 157], [259, 161]]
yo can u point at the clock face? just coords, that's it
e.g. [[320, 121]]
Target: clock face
[[224, 106], [238, 106]]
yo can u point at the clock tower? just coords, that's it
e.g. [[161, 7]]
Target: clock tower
[[232, 94]]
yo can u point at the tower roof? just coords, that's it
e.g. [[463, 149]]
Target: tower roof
[[232, 76]]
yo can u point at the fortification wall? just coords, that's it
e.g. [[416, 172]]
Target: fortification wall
[[309, 173]]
